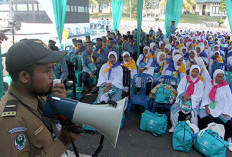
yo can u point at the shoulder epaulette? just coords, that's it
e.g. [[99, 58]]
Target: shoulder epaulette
[[10, 109]]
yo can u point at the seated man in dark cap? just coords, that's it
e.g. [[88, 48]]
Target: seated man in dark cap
[[24, 131], [89, 60], [78, 51], [100, 49], [87, 39], [60, 69], [52, 45]]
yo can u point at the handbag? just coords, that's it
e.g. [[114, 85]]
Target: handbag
[[211, 144], [154, 122], [142, 65], [183, 137], [186, 105], [92, 67]]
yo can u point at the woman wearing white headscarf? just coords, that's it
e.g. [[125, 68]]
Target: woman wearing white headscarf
[[144, 61], [229, 58], [110, 80], [189, 45], [167, 50], [177, 69], [191, 60], [158, 64], [204, 73], [129, 63], [161, 45], [154, 49], [184, 52], [201, 53], [190, 93], [217, 101], [216, 58]]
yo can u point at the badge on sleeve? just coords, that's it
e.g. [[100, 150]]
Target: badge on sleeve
[[20, 141]]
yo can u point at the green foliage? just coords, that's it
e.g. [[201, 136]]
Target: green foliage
[[188, 18], [220, 21], [222, 7], [134, 6]]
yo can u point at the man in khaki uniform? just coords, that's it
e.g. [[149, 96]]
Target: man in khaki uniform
[[23, 129]]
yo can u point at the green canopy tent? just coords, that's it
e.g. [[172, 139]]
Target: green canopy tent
[[117, 8], [173, 13], [59, 8], [229, 12]]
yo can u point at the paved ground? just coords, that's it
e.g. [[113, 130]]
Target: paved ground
[[132, 142]]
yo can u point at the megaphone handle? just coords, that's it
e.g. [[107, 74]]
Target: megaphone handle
[[99, 147], [74, 147]]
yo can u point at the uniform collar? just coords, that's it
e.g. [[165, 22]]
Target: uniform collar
[[27, 99]]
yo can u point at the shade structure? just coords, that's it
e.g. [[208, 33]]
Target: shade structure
[[117, 8], [229, 12], [139, 23], [59, 8], [173, 13]]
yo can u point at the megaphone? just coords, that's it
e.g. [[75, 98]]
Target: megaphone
[[102, 117]]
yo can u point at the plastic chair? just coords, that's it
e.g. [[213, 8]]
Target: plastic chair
[[68, 47], [140, 99], [222, 66], [165, 79]]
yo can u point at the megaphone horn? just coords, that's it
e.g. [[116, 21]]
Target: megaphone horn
[[103, 117]]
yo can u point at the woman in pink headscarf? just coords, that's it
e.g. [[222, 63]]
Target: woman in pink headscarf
[[217, 101]]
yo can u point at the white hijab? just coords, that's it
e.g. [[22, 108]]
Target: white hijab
[[146, 47], [115, 55], [168, 46], [216, 72], [125, 53], [191, 69], [152, 45], [158, 56], [175, 51], [194, 53], [176, 58], [182, 49]]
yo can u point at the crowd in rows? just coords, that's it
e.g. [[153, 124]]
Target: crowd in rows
[[189, 56]]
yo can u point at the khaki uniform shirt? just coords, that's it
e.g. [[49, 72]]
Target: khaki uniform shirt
[[23, 133]]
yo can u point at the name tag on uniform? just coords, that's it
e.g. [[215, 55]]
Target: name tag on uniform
[[18, 129]]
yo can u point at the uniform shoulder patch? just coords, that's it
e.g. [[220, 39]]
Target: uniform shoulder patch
[[20, 141], [10, 109]]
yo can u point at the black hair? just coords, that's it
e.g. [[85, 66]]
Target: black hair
[[125, 37], [130, 36], [14, 74]]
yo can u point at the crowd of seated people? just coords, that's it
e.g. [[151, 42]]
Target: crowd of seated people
[[189, 57]]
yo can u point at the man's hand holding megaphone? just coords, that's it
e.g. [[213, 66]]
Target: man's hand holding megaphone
[[70, 133]]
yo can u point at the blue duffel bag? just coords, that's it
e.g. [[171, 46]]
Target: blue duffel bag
[[211, 144], [182, 139], [154, 122]]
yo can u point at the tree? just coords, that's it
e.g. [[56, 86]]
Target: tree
[[187, 4], [134, 6], [99, 3], [222, 7]]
